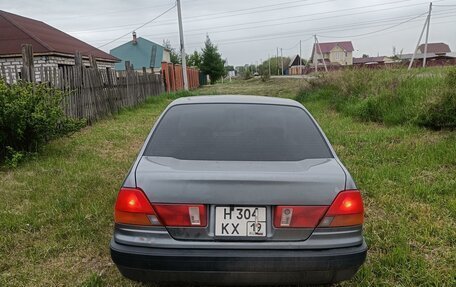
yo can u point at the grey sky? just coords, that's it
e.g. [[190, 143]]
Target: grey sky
[[248, 31]]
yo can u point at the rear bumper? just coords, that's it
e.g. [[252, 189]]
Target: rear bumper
[[237, 267]]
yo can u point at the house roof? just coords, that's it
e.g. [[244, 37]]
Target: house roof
[[327, 47], [438, 48], [295, 62], [144, 53], [45, 39], [428, 55], [365, 60]]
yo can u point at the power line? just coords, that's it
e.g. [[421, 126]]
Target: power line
[[298, 33], [373, 32], [291, 17], [302, 20], [139, 27]]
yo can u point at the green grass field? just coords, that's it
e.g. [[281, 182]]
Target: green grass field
[[56, 209]]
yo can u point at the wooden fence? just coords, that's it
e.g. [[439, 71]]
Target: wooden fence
[[173, 77], [92, 93]]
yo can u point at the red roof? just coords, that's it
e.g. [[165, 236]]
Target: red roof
[[327, 47], [18, 30], [437, 48]]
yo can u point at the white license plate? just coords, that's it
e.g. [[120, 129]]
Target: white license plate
[[240, 221]]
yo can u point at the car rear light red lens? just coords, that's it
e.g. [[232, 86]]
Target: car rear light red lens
[[133, 207], [182, 215], [298, 216], [346, 210]]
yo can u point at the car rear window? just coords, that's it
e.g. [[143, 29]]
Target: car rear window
[[237, 132]]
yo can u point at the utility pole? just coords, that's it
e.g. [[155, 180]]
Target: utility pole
[[426, 24], [322, 57], [315, 60], [277, 58], [269, 58], [182, 48], [300, 59], [281, 58], [427, 34]]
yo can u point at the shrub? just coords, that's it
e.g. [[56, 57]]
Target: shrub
[[247, 75], [30, 115], [265, 76], [440, 111]]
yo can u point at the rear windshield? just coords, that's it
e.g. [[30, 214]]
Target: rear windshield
[[237, 132]]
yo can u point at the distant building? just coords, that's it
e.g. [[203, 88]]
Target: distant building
[[436, 48], [141, 53], [51, 47], [333, 53], [372, 60], [296, 67]]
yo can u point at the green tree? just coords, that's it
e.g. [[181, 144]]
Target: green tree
[[212, 63], [175, 57], [194, 59]]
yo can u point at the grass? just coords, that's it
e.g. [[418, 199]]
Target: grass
[[56, 209], [422, 97]]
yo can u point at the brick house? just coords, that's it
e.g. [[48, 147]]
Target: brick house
[[51, 47], [333, 53]]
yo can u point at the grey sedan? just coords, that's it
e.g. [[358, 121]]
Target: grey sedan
[[238, 190]]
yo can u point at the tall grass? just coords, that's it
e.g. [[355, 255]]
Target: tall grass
[[425, 97]]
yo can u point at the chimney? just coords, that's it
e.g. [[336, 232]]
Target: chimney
[[134, 39]]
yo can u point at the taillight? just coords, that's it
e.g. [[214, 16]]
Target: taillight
[[298, 216], [346, 210], [182, 214], [132, 207]]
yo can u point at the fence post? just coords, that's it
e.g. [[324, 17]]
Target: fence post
[[28, 70], [93, 62]]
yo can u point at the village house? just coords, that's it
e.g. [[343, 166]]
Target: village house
[[436, 48], [51, 47], [141, 53], [438, 54], [379, 60], [333, 53]]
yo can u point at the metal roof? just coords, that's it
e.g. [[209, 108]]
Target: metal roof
[[45, 39], [438, 48], [327, 47]]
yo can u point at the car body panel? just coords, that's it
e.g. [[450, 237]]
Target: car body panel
[[238, 183]]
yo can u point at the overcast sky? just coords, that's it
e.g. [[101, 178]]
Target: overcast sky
[[249, 31]]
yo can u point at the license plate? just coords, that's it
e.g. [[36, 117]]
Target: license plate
[[240, 221]]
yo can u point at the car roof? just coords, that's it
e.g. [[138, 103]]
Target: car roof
[[244, 99]]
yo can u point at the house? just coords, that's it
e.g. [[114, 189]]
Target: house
[[51, 47], [141, 53], [432, 59], [436, 48], [372, 61], [296, 67], [333, 53]]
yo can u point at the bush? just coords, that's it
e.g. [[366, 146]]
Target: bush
[[265, 76], [441, 112], [30, 115], [247, 75]]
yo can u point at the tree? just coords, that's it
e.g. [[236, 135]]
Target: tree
[[275, 62], [174, 56], [212, 63], [194, 59]]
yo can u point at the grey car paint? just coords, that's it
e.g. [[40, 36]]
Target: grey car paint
[[307, 182]]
